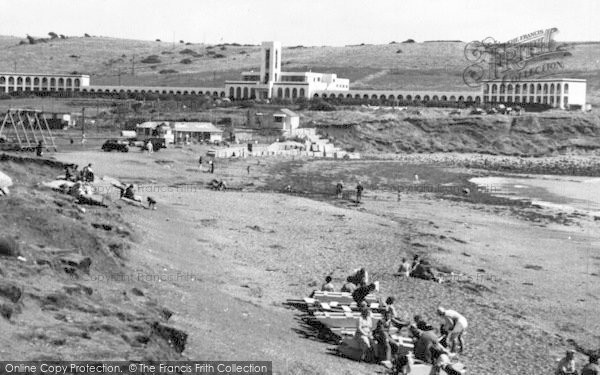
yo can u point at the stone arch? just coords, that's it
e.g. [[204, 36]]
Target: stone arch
[[409, 98], [2, 80], [61, 81], [365, 96], [478, 99], [558, 88], [539, 88], [28, 80], [215, 93], [435, 98], [324, 96], [545, 88], [418, 97], [400, 97], [502, 89], [494, 88], [566, 88], [231, 92], [524, 88], [517, 89], [252, 93], [315, 95], [461, 98], [128, 91], [486, 89], [238, 92], [357, 96], [222, 94], [426, 98], [444, 98], [452, 98], [280, 93], [69, 82], [348, 96], [77, 82], [19, 80], [245, 93], [552, 88], [11, 80], [302, 94], [382, 97], [374, 96], [469, 99], [294, 93], [286, 92], [52, 81]]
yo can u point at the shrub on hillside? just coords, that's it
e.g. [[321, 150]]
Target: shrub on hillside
[[181, 42], [399, 51], [186, 61], [187, 51], [218, 56], [86, 35], [166, 53], [157, 40], [320, 105], [152, 59], [52, 35], [409, 41], [62, 36], [167, 71]]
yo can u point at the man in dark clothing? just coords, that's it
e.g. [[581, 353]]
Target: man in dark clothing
[[339, 189], [591, 368], [362, 292], [39, 148], [426, 341], [212, 167], [359, 190]]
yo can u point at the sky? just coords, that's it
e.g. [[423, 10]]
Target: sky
[[302, 22]]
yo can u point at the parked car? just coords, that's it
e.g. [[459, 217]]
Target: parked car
[[114, 145]]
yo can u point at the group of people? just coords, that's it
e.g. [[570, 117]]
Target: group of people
[[86, 174], [339, 190], [128, 191], [567, 366], [430, 346], [419, 268]]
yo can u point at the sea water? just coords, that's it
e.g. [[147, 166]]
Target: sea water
[[564, 193]]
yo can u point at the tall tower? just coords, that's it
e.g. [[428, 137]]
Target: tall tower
[[270, 68]]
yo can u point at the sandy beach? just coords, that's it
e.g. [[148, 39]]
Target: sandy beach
[[527, 282]]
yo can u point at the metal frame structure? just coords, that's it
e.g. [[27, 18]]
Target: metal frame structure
[[30, 127]]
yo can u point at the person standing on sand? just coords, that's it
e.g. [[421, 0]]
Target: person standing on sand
[[459, 326], [39, 148], [212, 166], [248, 168], [339, 188], [359, 190], [200, 162]]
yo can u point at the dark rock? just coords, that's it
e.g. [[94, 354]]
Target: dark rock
[[166, 313], [137, 292], [175, 337], [6, 311], [77, 261], [9, 247], [10, 291]]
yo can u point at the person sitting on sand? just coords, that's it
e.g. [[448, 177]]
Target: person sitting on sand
[[421, 324], [68, 175], [459, 327], [361, 293], [348, 287], [441, 359], [129, 193], [424, 271], [415, 262], [151, 203], [566, 366], [328, 286], [363, 333], [404, 269]]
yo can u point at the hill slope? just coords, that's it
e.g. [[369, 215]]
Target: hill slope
[[433, 65], [528, 135]]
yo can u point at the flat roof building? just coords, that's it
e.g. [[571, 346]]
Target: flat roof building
[[17, 82], [271, 82]]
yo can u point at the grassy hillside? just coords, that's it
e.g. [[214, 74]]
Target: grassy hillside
[[434, 65]]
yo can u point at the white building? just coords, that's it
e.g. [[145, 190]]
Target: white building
[[196, 131], [17, 82], [563, 93], [271, 82], [287, 120]]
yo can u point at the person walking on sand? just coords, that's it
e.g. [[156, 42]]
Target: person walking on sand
[[459, 326], [212, 166], [149, 147], [200, 162], [405, 268], [359, 190], [248, 169]]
